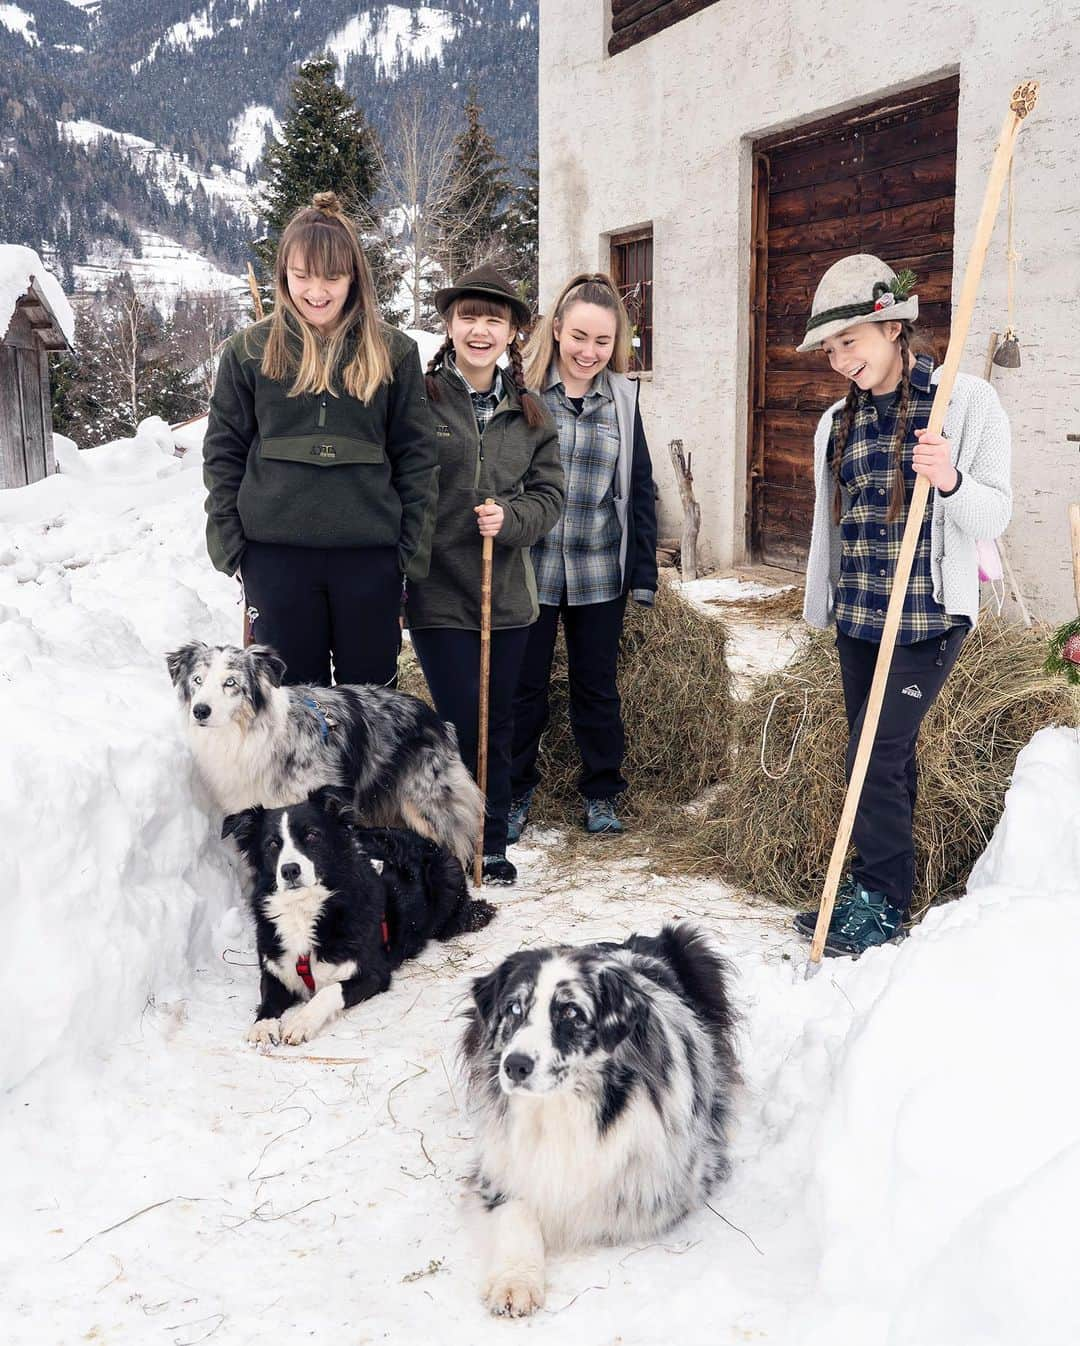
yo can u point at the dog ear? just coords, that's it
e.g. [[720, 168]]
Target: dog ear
[[336, 801], [486, 991], [180, 662], [266, 662], [620, 1007], [243, 827]]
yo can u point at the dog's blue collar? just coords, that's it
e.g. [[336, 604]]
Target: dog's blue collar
[[320, 714]]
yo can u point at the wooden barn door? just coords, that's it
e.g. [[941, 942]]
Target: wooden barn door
[[879, 180]]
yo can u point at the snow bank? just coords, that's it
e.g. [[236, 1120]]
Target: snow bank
[[18, 267], [17, 20], [946, 1150], [116, 878]]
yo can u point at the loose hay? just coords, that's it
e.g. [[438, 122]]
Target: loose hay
[[678, 710], [784, 603], [774, 836]]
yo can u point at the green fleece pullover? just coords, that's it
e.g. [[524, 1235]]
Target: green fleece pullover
[[520, 469], [319, 470]]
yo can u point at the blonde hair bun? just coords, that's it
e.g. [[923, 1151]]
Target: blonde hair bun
[[327, 202]]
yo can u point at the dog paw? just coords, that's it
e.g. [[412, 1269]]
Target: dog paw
[[299, 1025], [516, 1293], [264, 1032]]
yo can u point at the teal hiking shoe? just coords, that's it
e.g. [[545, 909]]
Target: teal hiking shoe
[[518, 816], [805, 922], [868, 920], [600, 816]]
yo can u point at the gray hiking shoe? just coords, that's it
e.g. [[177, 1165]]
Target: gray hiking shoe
[[600, 816], [518, 816]]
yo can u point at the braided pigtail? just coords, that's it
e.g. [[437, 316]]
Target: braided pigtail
[[434, 365], [534, 414], [838, 440], [898, 493]]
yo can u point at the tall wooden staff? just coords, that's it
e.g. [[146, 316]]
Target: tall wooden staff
[[1022, 102], [486, 559]]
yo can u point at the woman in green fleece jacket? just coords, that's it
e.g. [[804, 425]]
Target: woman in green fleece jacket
[[320, 462], [495, 442]]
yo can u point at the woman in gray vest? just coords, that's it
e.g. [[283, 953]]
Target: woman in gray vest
[[602, 550]]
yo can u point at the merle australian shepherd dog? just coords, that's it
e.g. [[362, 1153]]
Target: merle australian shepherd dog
[[600, 1081], [257, 742], [337, 907]]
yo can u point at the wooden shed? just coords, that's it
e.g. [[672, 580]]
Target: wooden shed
[[33, 333]]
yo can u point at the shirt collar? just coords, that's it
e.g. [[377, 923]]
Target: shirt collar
[[920, 374], [600, 385], [494, 392]]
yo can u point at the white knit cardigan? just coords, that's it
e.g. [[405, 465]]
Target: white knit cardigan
[[977, 429]]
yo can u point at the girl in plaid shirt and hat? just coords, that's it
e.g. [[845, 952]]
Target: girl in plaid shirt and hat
[[868, 451]]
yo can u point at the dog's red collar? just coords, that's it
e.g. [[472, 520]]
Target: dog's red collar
[[303, 963]]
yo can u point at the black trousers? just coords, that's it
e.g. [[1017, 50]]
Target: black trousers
[[592, 650], [885, 851], [317, 604], [451, 662]]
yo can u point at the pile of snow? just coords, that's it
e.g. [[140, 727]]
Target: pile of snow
[[19, 267], [393, 34], [115, 878]]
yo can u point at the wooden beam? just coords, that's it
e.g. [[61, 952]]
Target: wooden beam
[[655, 22]]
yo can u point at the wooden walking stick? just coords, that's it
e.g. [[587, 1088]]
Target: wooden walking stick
[[1022, 102], [486, 559]]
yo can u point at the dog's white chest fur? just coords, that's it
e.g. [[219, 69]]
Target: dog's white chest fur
[[294, 914]]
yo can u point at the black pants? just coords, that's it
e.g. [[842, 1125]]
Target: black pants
[[318, 603], [885, 851], [592, 650], [451, 663]]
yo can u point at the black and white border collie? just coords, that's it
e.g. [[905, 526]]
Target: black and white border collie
[[600, 1080], [337, 907], [257, 742]]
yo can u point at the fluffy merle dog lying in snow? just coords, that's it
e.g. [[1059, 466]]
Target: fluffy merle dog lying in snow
[[600, 1080], [337, 907], [257, 742]]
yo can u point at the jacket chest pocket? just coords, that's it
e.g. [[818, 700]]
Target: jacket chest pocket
[[322, 450]]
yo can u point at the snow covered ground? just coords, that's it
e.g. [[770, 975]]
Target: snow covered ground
[[908, 1149], [165, 272]]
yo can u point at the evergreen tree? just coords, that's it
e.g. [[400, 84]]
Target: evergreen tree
[[472, 229], [326, 145], [521, 231]]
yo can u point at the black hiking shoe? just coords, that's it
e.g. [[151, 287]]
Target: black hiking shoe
[[499, 870]]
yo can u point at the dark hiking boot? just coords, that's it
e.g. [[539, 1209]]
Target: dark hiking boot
[[600, 816], [869, 920], [518, 816], [499, 870], [805, 922]]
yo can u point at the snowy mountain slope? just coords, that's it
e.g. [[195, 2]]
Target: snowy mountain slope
[[907, 1154]]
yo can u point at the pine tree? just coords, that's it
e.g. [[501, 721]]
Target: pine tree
[[521, 231], [326, 145], [472, 231]]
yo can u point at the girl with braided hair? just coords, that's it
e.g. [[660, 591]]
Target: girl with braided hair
[[601, 552], [868, 452], [319, 461], [495, 442]]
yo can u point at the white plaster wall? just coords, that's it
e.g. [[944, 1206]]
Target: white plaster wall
[[663, 132]]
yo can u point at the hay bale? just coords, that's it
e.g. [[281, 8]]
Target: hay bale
[[678, 711], [774, 836]]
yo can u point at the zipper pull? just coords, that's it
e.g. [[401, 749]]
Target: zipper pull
[[322, 413]]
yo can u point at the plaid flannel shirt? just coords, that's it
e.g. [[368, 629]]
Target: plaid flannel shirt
[[869, 543], [483, 404], [580, 556]]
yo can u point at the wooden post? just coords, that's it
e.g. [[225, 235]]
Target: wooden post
[[486, 565], [1074, 533], [691, 509], [1023, 100]]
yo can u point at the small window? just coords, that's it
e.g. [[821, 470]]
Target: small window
[[632, 270]]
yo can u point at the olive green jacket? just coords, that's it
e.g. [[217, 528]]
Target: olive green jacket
[[517, 466], [318, 470]]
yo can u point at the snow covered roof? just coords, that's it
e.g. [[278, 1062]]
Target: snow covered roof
[[23, 272]]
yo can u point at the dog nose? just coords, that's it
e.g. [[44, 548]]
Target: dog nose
[[518, 1066], [201, 711], [290, 872]]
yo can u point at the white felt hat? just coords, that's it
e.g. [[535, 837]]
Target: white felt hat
[[855, 290]]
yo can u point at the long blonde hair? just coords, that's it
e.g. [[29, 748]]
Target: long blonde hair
[[588, 287], [327, 241]]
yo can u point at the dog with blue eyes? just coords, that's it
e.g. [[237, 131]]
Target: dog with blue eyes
[[600, 1082]]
